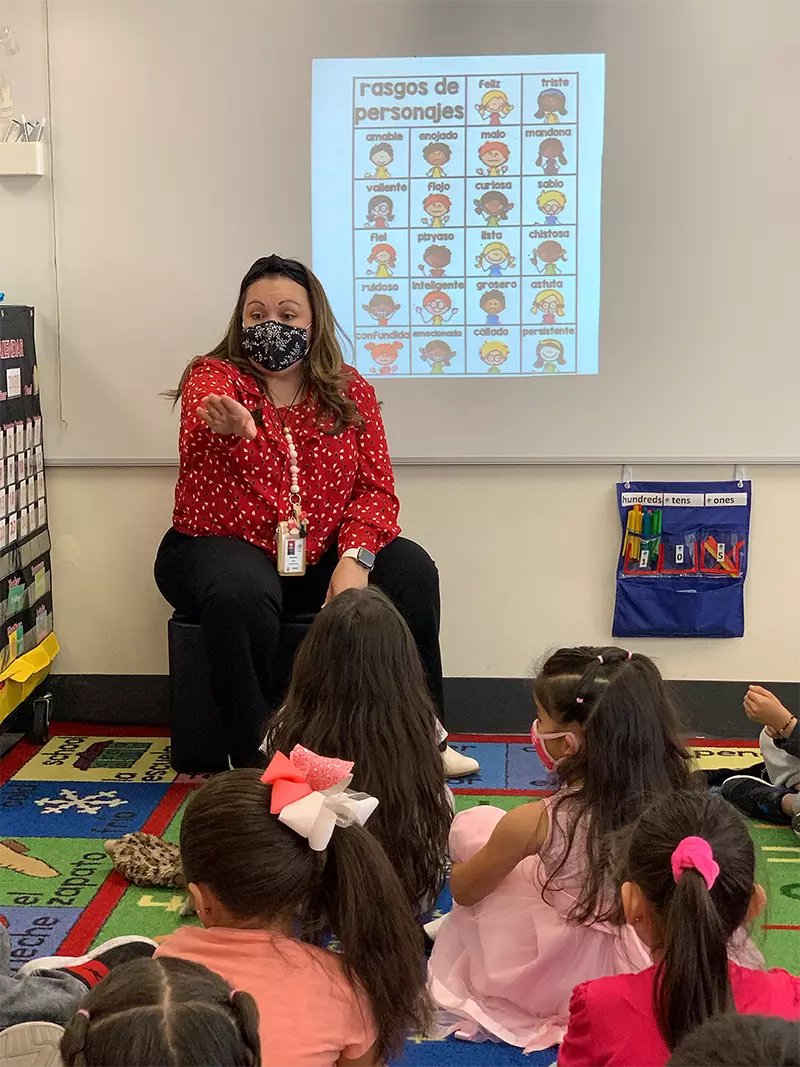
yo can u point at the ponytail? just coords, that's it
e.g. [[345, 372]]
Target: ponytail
[[381, 942], [261, 869], [632, 751], [693, 860], [692, 980]]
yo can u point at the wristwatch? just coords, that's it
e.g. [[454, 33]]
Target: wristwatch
[[362, 556]]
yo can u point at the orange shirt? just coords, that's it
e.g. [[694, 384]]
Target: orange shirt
[[310, 1014]]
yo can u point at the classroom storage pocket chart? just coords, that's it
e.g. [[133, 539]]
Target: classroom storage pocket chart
[[26, 602], [683, 559], [456, 211]]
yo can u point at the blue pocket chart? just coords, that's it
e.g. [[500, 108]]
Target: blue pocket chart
[[683, 559], [439, 180]]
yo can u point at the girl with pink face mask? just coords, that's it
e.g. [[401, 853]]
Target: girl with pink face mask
[[535, 910]]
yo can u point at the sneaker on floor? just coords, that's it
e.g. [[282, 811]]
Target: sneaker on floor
[[31, 1045], [719, 775], [755, 798], [110, 954], [457, 765]]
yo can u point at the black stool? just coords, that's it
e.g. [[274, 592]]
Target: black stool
[[199, 743]]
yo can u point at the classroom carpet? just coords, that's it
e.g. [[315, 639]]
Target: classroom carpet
[[61, 801]]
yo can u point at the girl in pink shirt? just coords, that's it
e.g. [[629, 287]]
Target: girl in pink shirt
[[690, 887], [276, 862], [535, 907]]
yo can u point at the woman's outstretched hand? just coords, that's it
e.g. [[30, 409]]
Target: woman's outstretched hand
[[227, 416]]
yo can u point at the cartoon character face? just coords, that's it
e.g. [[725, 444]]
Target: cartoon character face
[[493, 156], [494, 206], [383, 354], [437, 352], [549, 352], [437, 303], [551, 101], [437, 256], [437, 208], [381, 155], [494, 353], [381, 306], [551, 201], [551, 148], [550, 252], [382, 254], [380, 207], [495, 102], [496, 254], [493, 303], [437, 153], [549, 303]]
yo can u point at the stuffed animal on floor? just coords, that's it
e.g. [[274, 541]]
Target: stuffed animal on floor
[[148, 860]]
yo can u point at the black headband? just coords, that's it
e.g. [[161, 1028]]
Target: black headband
[[269, 266]]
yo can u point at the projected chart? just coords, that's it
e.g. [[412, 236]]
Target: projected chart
[[456, 220]]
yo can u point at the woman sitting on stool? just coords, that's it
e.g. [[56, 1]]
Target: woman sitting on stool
[[285, 497]]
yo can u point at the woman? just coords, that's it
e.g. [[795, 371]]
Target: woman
[[279, 435]]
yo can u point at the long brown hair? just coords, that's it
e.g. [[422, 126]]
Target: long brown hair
[[326, 379], [261, 870], [358, 692], [633, 750], [693, 924], [167, 1011]]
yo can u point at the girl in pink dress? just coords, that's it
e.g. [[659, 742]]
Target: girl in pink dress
[[690, 888], [535, 912]]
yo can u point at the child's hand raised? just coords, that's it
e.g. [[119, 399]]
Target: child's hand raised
[[763, 707]]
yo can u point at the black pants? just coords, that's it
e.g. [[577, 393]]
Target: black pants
[[233, 589]]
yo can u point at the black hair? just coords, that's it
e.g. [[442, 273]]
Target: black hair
[[163, 1013], [265, 873], [692, 924], [633, 750], [375, 709], [733, 1040]]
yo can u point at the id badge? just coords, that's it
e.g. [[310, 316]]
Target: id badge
[[291, 552]]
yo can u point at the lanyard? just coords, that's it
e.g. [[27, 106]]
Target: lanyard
[[298, 520]]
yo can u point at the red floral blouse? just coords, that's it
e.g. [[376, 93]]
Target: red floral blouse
[[230, 487]]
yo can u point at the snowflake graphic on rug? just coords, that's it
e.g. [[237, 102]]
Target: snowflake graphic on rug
[[88, 805]]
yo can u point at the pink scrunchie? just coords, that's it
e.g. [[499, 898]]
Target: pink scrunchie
[[695, 853]]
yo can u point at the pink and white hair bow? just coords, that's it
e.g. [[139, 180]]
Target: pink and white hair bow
[[310, 795]]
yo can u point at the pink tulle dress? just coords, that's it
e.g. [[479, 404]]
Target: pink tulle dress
[[504, 969]]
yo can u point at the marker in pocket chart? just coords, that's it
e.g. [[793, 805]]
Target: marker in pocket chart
[[633, 529]]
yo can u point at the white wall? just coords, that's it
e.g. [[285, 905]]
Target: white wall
[[498, 616], [106, 523]]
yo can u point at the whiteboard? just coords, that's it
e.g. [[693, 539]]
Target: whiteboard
[[181, 152]]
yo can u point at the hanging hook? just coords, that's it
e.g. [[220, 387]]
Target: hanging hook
[[627, 474], [740, 474]]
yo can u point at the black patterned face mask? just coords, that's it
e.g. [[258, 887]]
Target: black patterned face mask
[[275, 345]]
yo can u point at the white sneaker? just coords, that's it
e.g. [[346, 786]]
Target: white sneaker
[[31, 1045], [139, 947], [457, 765]]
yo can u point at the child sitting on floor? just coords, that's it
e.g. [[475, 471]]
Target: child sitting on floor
[[690, 886], [358, 691], [535, 909], [732, 1040], [277, 861], [163, 1013], [769, 790]]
